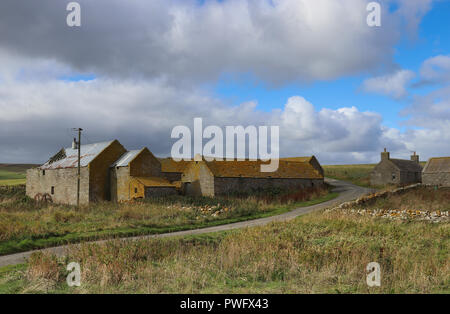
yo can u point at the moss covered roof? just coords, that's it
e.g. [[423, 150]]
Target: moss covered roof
[[252, 169]]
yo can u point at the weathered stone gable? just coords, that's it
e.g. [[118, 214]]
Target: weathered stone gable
[[99, 180], [198, 179], [145, 165], [63, 181]]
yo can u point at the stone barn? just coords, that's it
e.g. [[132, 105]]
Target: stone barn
[[173, 170], [58, 176], [229, 177], [437, 172], [137, 174], [311, 160], [396, 171]]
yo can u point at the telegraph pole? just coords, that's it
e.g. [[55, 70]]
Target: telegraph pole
[[79, 165]]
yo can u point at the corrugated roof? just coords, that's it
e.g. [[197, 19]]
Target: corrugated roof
[[154, 181], [407, 165], [126, 158], [170, 165], [437, 165], [88, 153], [252, 169]]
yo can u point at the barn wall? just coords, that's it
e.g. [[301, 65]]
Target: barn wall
[[145, 165], [200, 180], [120, 184], [159, 191], [99, 172], [64, 182], [223, 186], [172, 176], [436, 179]]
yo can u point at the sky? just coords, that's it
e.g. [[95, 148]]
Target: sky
[[134, 70]]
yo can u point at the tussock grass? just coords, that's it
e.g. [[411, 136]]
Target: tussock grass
[[321, 252], [26, 225], [420, 198]]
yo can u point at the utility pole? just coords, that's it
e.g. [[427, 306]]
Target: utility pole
[[79, 164]]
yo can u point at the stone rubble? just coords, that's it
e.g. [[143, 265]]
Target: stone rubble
[[396, 214]]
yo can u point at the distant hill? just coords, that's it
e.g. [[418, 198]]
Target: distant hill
[[13, 174]]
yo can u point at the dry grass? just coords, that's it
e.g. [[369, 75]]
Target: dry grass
[[421, 198], [321, 252], [22, 219]]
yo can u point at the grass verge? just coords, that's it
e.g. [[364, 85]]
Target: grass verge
[[323, 252], [40, 241]]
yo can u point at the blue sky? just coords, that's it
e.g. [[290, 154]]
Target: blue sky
[[433, 39]]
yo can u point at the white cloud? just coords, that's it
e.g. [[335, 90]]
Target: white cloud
[[278, 41], [393, 85], [436, 69], [36, 117]]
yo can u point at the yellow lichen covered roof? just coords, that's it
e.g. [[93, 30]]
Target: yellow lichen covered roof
[[298, 159], [252, 169], [169, 165], [153, 181]]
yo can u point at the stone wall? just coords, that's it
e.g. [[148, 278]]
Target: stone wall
[[385, 173], [436, 179], [198, 179], [172, 176], [100, 185], [159, 191], [63, 181], [410, 177], [223, 186], [119, 182], [145, 165]]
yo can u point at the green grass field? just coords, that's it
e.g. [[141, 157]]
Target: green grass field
[[26, 225], [13, 174], [356, 174], [323, 252]]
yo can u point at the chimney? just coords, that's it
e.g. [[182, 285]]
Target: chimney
[[415, 158], [74, 144], [385, 155]]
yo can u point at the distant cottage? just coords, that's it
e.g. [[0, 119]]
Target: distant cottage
[[396, 171], [211, 178], [108, 172], [437, 172]]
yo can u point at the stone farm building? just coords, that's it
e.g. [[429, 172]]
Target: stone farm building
[[210, 178], [173, 170], [437, 172], [137, 174], [396, 171], [108, 172]]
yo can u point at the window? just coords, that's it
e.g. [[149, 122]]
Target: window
[[393, 176], [53, 190], [135, 190], [43, 172]]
